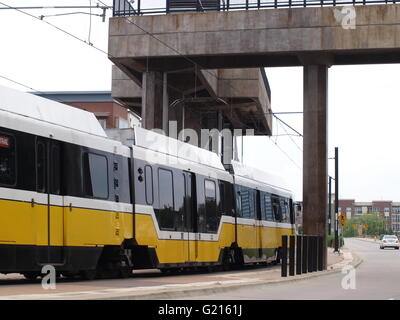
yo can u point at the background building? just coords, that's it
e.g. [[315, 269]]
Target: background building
[[387, 209], [110, 113]]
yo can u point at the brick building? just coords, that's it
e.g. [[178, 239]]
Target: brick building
[[388, 209], [110, 113]]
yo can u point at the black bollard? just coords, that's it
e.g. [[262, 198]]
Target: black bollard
[[315, 250], [320, 253], [310, 254], [304, 268], [291, 255], [284, 256], [298, 254]]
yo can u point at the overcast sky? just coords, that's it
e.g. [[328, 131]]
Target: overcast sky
[[364, 102]]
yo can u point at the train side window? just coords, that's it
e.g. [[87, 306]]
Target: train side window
[[55, 170], [268, 211], [226, 196], [166, 211], [41, 167], [277, 209], [211, 212], [7, 160], [149, 184], [247, 203], [95, 175], [284, 210]]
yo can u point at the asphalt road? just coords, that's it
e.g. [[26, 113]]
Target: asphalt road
[[378, 277]]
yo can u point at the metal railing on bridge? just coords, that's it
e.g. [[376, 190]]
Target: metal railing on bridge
[[142, 7]]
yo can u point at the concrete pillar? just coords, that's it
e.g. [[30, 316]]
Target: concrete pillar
[[152, 100], [315, 196], [165, 110]]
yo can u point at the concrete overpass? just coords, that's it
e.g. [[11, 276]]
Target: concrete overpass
[[315, 38]]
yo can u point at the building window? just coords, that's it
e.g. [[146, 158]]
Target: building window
[[7, 160], [103, 122], [95, 173]]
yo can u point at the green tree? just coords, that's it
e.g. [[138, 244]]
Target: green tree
[[376, 225]]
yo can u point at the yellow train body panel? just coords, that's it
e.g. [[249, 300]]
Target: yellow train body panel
[[24, 224], [170, 251], [88, 227]]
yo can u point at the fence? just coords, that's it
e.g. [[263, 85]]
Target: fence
[[305, 253], [142, 7]]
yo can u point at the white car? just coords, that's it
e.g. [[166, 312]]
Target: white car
[[390, 241]]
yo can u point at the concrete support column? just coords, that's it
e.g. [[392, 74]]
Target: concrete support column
[[152, 100], [315, 196], [165, 111]]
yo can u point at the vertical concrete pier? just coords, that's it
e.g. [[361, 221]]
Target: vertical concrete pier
[[315, 151], [152, 100]]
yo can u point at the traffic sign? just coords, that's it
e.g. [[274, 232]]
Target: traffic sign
[[365, 226]]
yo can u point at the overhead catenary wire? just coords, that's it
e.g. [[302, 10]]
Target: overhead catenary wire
[[54, 26], [290, 137], [151, 35], [195, 64], [110, 55]]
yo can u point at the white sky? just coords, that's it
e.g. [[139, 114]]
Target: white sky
[[364, 102]]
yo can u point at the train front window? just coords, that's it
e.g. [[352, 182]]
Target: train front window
[[7, 160]]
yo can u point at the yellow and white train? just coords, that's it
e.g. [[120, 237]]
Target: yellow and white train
[[73, 198]]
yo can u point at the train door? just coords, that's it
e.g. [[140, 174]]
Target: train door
[[48, 183], [259, 228], [190, 217]]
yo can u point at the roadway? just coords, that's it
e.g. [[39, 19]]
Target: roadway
[[377, 278]]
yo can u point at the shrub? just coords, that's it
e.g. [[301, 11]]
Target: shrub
[[330, 241]]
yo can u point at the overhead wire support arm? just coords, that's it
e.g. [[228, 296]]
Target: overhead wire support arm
[[55, 7]]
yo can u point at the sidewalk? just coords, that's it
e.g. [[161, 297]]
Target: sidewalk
[[196, 284]]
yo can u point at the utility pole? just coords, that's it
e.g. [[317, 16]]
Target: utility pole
[[330, 206], [336, 199]]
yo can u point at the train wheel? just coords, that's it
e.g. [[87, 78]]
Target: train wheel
[[31, 275], [277, 257], [88, 274], [125, 272]]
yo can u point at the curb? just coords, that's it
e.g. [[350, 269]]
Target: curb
[[174, 291], [336, 268]]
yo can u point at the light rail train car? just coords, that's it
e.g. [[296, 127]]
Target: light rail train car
[[89, 205]]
